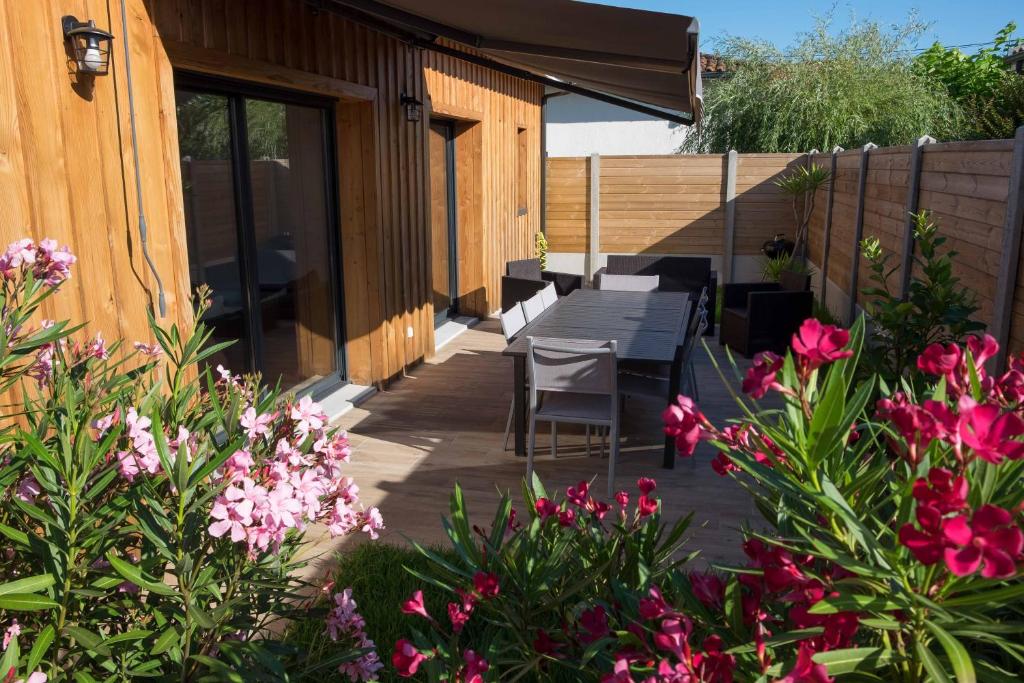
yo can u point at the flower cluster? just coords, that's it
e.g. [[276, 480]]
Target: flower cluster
[[46, 261], [345, 623]]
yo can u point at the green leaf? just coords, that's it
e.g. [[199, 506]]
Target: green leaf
[[88, 640], [992, 597], [39, 648], [855, 603], [955, 651], [31, 584], [931, 663], [26, 602], [134, 574], [165, 641], [852, 659]]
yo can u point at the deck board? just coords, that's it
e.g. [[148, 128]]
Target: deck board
[[443, 423]]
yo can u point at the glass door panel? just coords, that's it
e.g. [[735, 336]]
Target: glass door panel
[[211, 220]]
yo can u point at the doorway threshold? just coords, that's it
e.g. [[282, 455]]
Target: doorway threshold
[[452, 328], [343, 399]]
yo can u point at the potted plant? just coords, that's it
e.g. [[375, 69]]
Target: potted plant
[[801, 185]]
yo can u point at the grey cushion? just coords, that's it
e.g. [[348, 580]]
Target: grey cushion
[[573, 406]]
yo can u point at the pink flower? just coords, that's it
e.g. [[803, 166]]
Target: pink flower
[[939, 360], [653, 606], [686, 424], [232, 512], [761, 375], [928, 543], [406, 658], [52, 263], [647, 506], [990, 540], [578, 494], [476, 666], [308, 416], [414, 605], [545, 508], [620, 673], [566, 517], [818, 344], [35, 677], [18, 253], [12, 631], [28, 489], [97, 348], [674, 637], [151, 350], [723, 465], [990, 434], [709, 588], [486, 585], [982, 349], [595, 622], [256, 425], [713, 663], [941, 490], [805, 670], [646, 485], [622, 498], [373, 522], [459, 615]]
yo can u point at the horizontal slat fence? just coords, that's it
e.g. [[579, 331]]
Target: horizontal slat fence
[[676, 204]]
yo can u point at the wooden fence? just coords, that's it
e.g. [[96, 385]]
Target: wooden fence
[[726, 206]]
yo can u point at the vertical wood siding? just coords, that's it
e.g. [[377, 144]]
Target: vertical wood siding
[[66, 168]]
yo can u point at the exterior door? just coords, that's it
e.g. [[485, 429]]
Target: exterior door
[[260, 213], [443, 220]]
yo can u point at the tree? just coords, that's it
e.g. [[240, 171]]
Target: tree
[[832, 88], [992, 98]]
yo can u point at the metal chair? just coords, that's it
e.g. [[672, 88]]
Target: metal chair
[[656, 386], [533, 307], [627, 283], [549, 295], [512, 321], [573, 381]]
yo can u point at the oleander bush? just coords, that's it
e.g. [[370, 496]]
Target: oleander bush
[[892, 549], [152, 511]]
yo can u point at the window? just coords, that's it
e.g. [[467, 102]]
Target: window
[[522, 174]]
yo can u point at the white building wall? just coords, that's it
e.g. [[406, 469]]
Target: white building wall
[[579, 126]]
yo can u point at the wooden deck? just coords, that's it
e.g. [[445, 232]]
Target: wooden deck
[[443, 423]]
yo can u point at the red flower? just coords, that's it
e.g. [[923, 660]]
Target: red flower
[[595, 622], [982, 348], [674, 637], [939, 360], [544, 644], [486, 585], [598, 508], [647, 506], [476, 666], [546, 508], [818, 344], [805, 670], [654, 606], [989, 434], [685, 423], [578, 495], [622, 498], [709, 588], [566, 517], [928, 543], [406, 658], [941, 490], [723, 465], [761, 375], [646, 485], [458, 616], [713, 664], [414, 605], [620, 674], [990, 540]]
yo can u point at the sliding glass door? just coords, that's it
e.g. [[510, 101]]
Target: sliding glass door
[[257, 172]]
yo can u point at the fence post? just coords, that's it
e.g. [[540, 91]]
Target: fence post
[[594, 237], [827, 241], [1006, 284], [858, 231], [729, 239], [913, 202]]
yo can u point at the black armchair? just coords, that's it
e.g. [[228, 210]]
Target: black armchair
[[675, 274], [524, 278], [762, 316]]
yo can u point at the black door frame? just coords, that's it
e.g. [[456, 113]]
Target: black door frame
[[236, 93], [453, 222]]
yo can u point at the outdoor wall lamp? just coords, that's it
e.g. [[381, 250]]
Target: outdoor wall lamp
[[90, 46], [413, 107]]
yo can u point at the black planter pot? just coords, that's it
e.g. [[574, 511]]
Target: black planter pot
[[777, 247]]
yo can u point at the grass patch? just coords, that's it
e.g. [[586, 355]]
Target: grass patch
[[376, 574]]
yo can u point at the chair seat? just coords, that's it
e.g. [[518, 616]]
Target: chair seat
[[735, 313], [643, 385], [569, 406]]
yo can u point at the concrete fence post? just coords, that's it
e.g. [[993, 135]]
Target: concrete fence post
[[1006, 283], [594, 234], [858, 231], [827, 240], [729, 238], [913, 203]]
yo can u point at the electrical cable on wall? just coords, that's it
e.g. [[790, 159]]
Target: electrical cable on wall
[[143, 231]]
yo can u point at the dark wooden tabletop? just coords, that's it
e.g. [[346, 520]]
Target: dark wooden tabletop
[[648, 326]]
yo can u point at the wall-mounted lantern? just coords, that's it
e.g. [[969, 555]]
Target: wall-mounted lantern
[[413, 107], [90, 46]]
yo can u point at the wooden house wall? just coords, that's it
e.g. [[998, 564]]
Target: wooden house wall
[[67, 172]]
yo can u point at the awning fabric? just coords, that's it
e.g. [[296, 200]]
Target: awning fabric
[[646, 57]]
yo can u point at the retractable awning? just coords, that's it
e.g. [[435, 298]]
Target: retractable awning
[[635, 58]]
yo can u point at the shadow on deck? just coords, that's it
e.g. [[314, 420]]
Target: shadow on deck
[[443, 423]]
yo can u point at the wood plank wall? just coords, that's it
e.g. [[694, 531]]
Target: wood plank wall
[[672, 204], [66, 169]]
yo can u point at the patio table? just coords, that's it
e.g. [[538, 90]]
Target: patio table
[[648, 327]]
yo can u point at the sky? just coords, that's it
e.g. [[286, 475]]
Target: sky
[[952, 22]]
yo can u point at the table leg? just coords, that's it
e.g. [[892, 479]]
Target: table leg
[[519, 411], [669, 458]]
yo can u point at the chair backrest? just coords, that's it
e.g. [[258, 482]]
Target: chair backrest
[[794, 282], [578, 366], [696, 333], [533, 307], [702, 300], [526, 269], [628, 283], [512, 321], [549, 295], [676, 273]]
